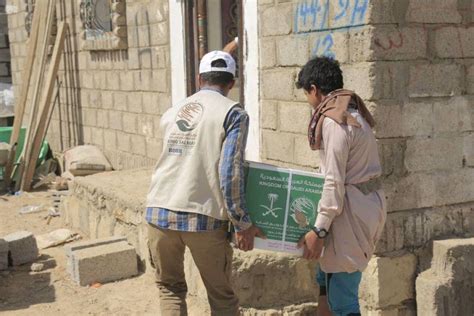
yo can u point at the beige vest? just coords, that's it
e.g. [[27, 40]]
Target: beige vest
[[186, 177]]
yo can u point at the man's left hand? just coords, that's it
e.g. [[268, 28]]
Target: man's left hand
[[313, 246]]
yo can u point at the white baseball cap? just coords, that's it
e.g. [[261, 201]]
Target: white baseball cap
[[209, 58]]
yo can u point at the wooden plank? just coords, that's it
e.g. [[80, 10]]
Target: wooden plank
[[44, 36], [45, 108], [38, 15]]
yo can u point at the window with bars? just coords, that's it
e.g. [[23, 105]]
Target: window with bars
[[104, 24]]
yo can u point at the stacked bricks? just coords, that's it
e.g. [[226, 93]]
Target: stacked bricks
[[3, 254], [102, 260], [5, 72], [22, 247], [112, 99], [413, 64]]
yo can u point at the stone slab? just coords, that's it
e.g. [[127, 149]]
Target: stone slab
[[105, 263], [22, 247], [3, 254]]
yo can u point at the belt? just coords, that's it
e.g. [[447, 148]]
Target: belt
[[369, 186]]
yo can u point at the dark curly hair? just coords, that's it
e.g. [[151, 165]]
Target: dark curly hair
[[323, 72]]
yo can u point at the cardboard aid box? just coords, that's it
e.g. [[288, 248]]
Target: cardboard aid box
[[283, 203]]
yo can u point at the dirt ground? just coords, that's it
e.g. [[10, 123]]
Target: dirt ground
[[51, 291]]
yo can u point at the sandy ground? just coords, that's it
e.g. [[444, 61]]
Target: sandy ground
[[51, 291]]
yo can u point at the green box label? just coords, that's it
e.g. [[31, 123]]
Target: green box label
[[284, 212]]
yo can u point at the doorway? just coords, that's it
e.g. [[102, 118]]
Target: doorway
[[210, 25]]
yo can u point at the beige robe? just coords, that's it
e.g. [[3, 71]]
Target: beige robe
[[355, 221]]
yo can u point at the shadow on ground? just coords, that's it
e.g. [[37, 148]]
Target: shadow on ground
[[20, 288]]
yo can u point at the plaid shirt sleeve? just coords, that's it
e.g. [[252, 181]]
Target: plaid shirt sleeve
[[232, 167]]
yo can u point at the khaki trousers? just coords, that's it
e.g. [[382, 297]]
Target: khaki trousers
[[212, 255]]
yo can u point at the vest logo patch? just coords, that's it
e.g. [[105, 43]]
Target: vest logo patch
[[189, 116]]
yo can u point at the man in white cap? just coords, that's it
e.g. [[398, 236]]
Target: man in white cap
[[197, 188]]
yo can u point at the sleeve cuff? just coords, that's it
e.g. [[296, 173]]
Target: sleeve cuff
[[323, 221], [243, 224]]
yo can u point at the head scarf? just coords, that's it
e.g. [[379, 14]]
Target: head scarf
[[335, 106]]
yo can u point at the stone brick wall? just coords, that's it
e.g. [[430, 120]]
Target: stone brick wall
[[5, 72], [412, 62], [112, 99]]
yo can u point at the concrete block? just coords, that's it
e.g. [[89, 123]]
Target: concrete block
[[135, 102], [70, 248], [383, 12], [130, 121], [417, 119], [454, 42], [292, 51], [410, 191], [278, 146], [113, 80], [3, 254], [453, 115], [269, 116], [388, 118], [331, 44], [95, 99], [433, 11], [470, 79], [138, 144], [261, 278], [408, 229], [150, 103], [115, 120], [120, 101], [429, 154], [435, 80], [388, 43], [110, 139], [394, 311], [90, 117], [277, 20], [294, 117], [455, 186], [97, 136], [159, 34], [22, 247], [388, 281], [468, 150], [126, 81], [278, 84], [447, 287], [104, 263], [267, 53], [304, 155], [146, 125], [153, 148], [392, 156], [374, 81], [124, 142]]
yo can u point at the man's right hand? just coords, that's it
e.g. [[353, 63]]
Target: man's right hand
[[245, 238]]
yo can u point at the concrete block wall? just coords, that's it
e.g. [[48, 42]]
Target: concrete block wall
[[111, 99], [5, 70], [412, 63]]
